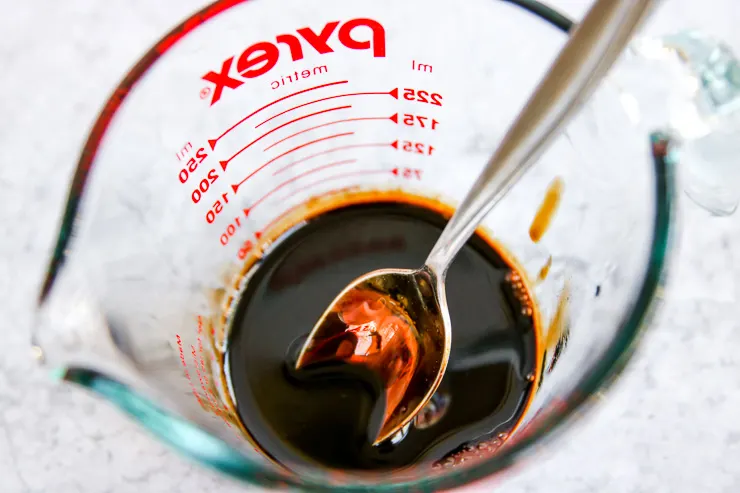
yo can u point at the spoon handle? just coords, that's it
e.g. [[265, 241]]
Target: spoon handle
[[587, 56]]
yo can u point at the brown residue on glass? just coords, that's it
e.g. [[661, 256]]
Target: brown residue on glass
[[558, 331], [542, 275], [547, 210], [558, 322]]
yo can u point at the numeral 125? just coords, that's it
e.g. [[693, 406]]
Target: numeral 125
[[417, 147]]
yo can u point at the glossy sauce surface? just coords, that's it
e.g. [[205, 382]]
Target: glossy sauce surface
[[326, 416]]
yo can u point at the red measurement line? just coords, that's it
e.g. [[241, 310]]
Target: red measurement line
[[393, 93], [219, 410], [273, 222], [295, 178], [295, 192], [333, 149], [331, 178], [335, 136], [212, 142], [393, 118], [227, 161]]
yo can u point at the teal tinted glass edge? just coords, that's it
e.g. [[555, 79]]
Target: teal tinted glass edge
[[190, 440]]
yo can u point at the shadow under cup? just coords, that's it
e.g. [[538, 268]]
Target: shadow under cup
[[240, 117]]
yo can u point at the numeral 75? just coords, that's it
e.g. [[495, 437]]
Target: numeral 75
[[408, 173]]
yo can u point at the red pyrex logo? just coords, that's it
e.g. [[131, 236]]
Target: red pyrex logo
[[261, 57]]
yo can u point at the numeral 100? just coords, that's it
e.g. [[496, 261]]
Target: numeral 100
[[230, 230]]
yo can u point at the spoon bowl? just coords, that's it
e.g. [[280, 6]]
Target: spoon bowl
[[396, 323]]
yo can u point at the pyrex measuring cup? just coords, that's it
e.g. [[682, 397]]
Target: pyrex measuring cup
[[251, 113]]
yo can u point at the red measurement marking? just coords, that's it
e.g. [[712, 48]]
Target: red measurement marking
[[200, 345], [225, 163], [236, 186], [200, 375], [212, 142], [393, 93], [337, 177], [267, 227], [295, 178], [282, 216], [393, 118], [334, 149], [221, 411], [187, 373]]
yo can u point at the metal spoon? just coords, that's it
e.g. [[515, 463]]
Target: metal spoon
[[396, 321]]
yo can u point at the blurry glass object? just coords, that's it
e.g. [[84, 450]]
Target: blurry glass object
[[693, 80]]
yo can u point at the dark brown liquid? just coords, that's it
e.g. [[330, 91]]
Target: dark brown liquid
[[326, 417]]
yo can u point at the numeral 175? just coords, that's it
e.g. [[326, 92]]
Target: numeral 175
[[420, 121]]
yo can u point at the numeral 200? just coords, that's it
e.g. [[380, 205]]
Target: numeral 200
[[203, 186], [422, 96]]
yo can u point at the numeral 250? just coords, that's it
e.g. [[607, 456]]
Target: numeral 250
[[192, 165]]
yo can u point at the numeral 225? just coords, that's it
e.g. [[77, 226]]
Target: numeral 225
[[422, 96]]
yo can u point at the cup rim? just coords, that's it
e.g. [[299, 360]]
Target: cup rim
[[227, 459]]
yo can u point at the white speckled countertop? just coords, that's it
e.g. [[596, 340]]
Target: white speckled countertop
[[672, 424]]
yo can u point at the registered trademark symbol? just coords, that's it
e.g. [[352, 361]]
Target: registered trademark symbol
[[205, 92]]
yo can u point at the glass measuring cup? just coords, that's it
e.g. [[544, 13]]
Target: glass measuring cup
[[191, 174]]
